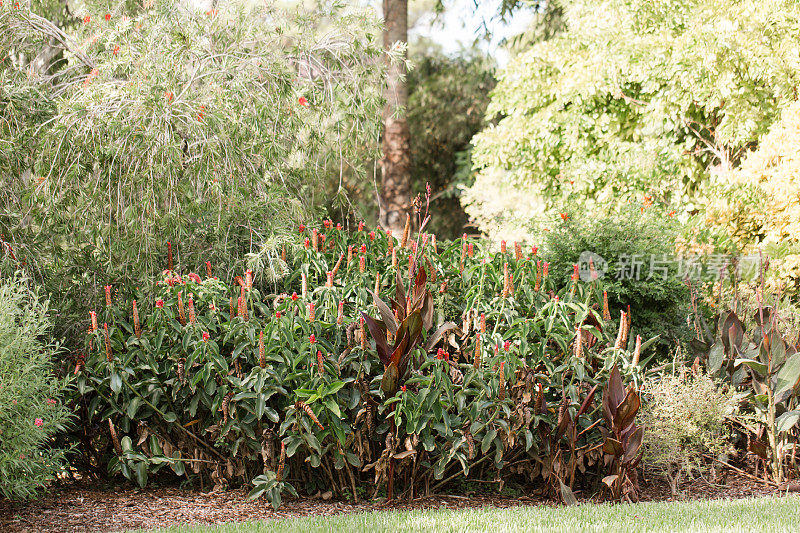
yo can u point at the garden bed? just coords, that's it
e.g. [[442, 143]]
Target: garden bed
[[85, 507]]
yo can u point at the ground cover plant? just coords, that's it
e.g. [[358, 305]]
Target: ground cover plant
[[476, 368]]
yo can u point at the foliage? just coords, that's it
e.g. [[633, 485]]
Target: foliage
[[685, 417], [169, 123], [641, 273], [767, 366], [759, 204], [633, 97], [623, 437], [211, 382], [31, 410]]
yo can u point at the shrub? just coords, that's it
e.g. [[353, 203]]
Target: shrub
[[233, 385], [685, 417], [31, 409], [633, 236]]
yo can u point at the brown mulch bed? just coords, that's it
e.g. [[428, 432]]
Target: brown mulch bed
[[86, 507]]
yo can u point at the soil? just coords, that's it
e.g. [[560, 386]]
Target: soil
[[79, 507]]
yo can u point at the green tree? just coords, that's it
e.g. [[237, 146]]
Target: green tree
[[448, 96], [633, 96]]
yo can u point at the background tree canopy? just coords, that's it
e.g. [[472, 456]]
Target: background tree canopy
[[632, 97]]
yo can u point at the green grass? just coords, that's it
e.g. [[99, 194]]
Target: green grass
[[752, 514]]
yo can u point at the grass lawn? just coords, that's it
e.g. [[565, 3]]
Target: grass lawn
[[764, 514]]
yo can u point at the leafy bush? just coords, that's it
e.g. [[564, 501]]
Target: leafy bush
[[288, 389], [685, 416], [31, 409], [630, 241], [758, 205]]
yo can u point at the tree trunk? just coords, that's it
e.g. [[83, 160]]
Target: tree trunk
[[396, 162]]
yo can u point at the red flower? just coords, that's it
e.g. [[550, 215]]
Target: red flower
[[470, 250], [440, 354], [363, 248], [194, 277], [277, 314], [206, 336], [302, 101], [671, 213], [169, 96], [564, 216], [403, 388], [502, 247], [534, 250], [38, 422], [328, 224], [307, 242], [160, 303], [507, 346], [294, 296], [301, 228], [51, 402], [108, 17], [87, 19], [372, 235], [339, 225], [361, 226], [116, 49], [312, 339]]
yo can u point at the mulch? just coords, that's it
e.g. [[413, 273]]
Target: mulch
[[80, 506]]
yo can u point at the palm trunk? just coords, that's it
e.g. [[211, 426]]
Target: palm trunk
[[396, 162]]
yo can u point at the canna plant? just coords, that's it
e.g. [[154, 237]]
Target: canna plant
[[623, 438]]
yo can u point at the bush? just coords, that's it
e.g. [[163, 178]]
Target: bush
[[634, 234], [31, 410], [233, 385], [685, 417]]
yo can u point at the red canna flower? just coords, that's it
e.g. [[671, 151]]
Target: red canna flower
[[327, 223], [403, 388], [206, 336], [277, 314], [160, 303], [363, 248], [302, 101], [312, 339], [294, 296], [108, 17], [440, 354]]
